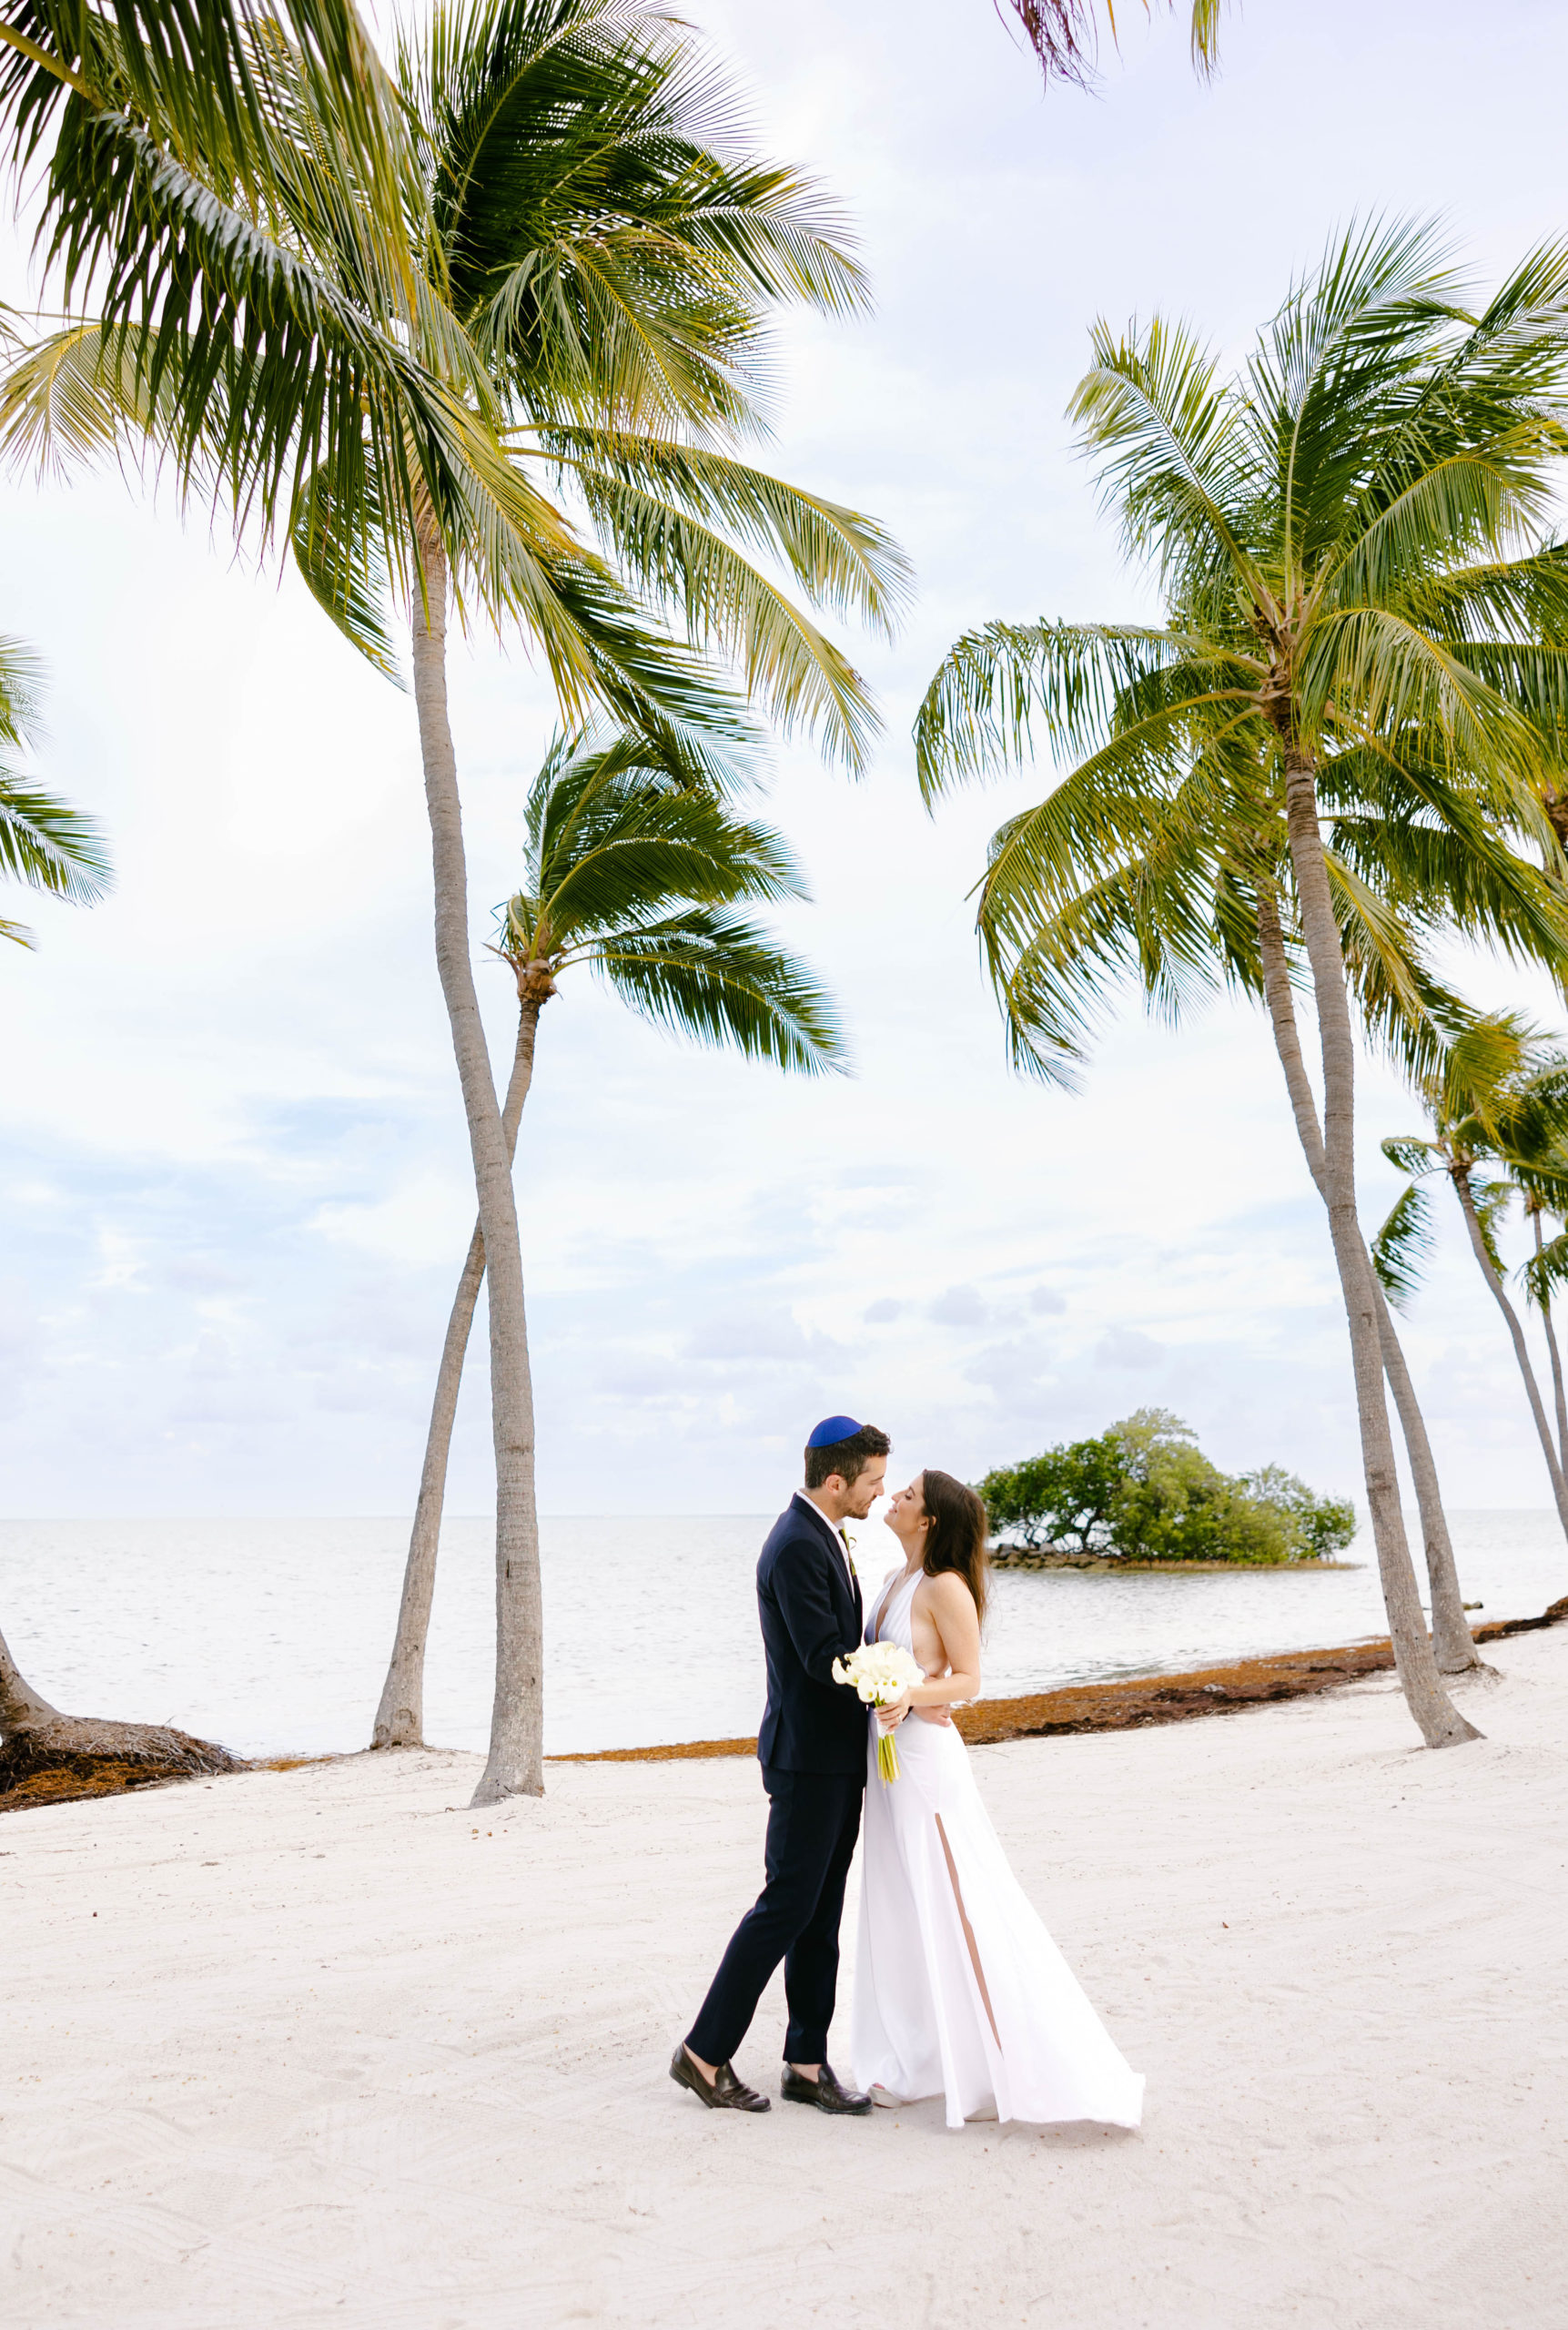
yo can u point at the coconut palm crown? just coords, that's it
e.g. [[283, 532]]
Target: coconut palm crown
[[638, 879]]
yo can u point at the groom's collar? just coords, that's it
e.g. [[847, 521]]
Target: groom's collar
[[804, 1504]]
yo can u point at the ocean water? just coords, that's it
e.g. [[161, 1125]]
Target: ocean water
[[273, 1635]]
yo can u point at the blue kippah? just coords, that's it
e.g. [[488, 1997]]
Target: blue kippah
[[832, 1430]]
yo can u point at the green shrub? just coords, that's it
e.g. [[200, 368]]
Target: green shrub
[[1144, 1491]]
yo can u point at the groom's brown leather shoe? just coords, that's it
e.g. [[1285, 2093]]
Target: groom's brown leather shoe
[[724, 2094], [824, 2091]]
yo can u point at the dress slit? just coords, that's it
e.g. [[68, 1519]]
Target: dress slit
[[968, 1932]]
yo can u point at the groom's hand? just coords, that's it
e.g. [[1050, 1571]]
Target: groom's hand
[[934, 1714]]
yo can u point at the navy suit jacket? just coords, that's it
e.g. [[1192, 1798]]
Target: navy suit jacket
[[811, 1615]]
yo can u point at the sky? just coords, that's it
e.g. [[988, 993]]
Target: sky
[[234, 1168]]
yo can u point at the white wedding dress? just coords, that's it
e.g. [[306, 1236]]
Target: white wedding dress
[[1027, 2046]]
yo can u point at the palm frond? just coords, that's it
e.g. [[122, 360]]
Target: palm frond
[[198, 79], [1403, 1245], [708, 974], [1064, 36], [1383, 674], [1171, 448], [840, 557], [1412, 1155], [978, 716], [49, 845], [344, 569], [1545, 1275], [726, 604], [21, 688], [1491, 1199], [650, 239]]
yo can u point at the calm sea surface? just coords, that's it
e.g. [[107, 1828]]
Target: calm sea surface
[[272, 1636]]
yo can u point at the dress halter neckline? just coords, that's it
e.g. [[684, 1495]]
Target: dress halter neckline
[[886, 1598]]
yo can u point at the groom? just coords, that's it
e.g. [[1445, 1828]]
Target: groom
[[813, 1750]]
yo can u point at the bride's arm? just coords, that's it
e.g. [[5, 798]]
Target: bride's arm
[[950, 1606]]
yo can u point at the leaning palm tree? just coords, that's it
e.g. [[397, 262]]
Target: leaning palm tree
[[633, 871], [44, 842], [1496, 1101], [595, 259], [1351, 541]]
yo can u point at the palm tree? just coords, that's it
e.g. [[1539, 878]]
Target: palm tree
[[1351, 542], [1498, 1098], [593, 266], [44, 842], [1198, 896], [632, 869]]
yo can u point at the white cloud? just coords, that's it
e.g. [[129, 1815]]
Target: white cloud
[[961, 1306], [1126, 1347], [753, 1338]]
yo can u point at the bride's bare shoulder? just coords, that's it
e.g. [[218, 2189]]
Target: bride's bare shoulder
[[945, 1590]]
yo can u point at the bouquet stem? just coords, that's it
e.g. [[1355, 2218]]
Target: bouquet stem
[[886, 1756]]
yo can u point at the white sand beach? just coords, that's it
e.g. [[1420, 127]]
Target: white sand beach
[[323, 2047]]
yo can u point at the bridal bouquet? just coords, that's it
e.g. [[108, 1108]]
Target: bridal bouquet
[[881, 1672]]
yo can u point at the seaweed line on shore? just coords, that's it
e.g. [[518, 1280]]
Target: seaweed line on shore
[[1126, 1703]]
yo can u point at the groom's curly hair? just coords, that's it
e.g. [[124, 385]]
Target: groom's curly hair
[[848, 1458]]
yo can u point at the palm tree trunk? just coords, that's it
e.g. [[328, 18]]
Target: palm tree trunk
[[1440, 1721], [1521, 1348], [515, 1766], [22, 1708], [400, 1718], [36, 1737], [1453, 1645], [1556, 1357]]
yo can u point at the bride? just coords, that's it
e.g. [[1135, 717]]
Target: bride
[[959, 1990]]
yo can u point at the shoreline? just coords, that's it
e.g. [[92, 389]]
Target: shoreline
[[1127, 1703]]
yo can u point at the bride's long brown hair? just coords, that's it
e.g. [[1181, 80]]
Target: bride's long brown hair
[[956, 1537]]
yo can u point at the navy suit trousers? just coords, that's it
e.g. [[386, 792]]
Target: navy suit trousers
[[813, 1819]]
